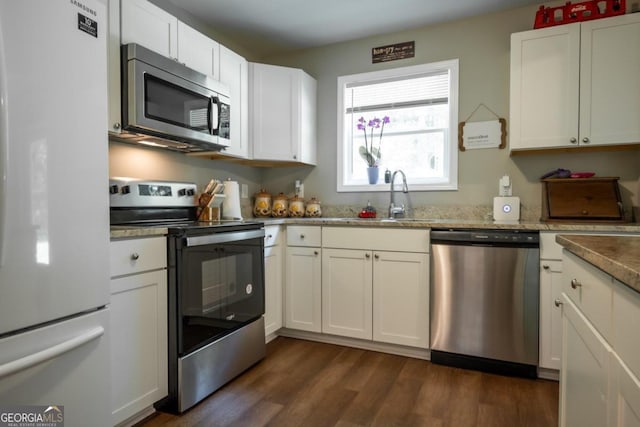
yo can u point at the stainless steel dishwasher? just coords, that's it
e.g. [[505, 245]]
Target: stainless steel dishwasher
[[485, 287]]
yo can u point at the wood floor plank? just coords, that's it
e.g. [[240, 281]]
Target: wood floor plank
[[304, 383], [369, 400]]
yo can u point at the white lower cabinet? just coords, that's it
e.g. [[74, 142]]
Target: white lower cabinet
[[347, 293], [599, 383], [302, 300], [625, 396], [550, 314], [584, 376], [138, 326], [272, 280], [302, 289], [373, 288], [401, 298]]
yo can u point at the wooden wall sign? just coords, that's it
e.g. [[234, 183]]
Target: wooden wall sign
[[393, 52]]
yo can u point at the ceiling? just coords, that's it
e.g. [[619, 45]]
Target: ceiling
[[270, 26]]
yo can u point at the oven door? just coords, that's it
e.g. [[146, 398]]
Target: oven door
[[220, 286]]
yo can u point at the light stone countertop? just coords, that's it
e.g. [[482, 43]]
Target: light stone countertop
[[618, 256], [127, 232], [130, 232]]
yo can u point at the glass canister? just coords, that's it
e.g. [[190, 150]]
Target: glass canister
[[313, 208], [280, 207], [296, 207], [262, 204]]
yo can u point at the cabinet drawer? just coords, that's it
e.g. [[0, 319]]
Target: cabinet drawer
[[136, 255], [303, 235], [403, 240], [272, 235], [591, 290]]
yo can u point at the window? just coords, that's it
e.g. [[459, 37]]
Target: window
[[420, 137]]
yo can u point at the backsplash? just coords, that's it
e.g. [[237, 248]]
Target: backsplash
[[469, 212]]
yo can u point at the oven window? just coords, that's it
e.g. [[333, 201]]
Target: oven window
[[173, 104], [222, 289]]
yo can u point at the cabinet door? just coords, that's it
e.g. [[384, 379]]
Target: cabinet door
[[584, 380], [609, 81], [146, 24], [113, 61], [544, 87], [198, 51], [307, 122], [138, 343], [303, 289], [625, 396], [275, 93], [347, 293], [273, 289], [401, 298], [234, 74], [550, 314]]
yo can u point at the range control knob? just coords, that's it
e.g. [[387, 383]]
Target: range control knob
[[191, 192], [113, 189], [182, 192], [125, 189]]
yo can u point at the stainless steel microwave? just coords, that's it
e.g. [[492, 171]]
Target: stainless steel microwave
[[165, 103]]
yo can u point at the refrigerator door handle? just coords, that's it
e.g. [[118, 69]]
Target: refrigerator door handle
[[57, 350]]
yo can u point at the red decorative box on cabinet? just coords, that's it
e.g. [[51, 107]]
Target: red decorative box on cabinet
[[576, 12]]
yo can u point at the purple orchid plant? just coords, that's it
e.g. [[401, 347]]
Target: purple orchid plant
[[368, 152]]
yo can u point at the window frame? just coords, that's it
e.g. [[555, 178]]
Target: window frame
[[452, 66]]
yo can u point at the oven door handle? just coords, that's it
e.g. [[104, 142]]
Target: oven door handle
[[233, 236]]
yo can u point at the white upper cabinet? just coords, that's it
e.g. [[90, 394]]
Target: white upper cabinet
[[576, 85], [283, 114], [609, 81], [198, 52], [146, 24], [234, 73], [544, 87]]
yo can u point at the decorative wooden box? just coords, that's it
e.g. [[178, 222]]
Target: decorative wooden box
[[581, 199]]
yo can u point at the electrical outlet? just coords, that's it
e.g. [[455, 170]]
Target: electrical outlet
[[244, 191], [301, 191]]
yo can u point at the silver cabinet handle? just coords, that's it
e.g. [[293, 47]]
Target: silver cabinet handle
[[135, 256], [573, 140], [546, 267], [575, 284], [557, 303], [585, 140], [116, 125]]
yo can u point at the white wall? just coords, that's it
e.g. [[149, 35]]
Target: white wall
[[482, 46], [126, 160]]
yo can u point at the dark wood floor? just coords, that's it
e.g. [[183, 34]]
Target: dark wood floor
[[303, 383]]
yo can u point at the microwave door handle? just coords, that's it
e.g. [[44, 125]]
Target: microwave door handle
[[214, 116]]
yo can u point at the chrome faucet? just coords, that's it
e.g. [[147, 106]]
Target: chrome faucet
[[397, 211]]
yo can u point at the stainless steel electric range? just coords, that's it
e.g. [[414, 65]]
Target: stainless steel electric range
[[215, 286]]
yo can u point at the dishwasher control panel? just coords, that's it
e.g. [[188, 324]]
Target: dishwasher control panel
[[455, 236]]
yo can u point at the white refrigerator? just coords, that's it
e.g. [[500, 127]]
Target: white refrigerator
[[54, 212]]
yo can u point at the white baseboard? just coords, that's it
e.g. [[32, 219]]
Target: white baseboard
[[400, 350]]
